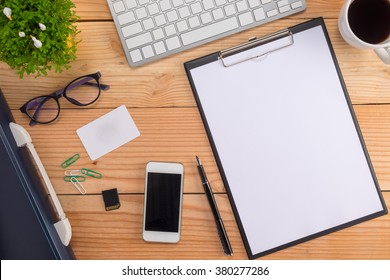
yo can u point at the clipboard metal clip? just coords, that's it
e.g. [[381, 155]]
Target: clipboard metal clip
[[256, 48]]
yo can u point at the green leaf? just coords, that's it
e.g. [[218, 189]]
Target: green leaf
[[20, 54]]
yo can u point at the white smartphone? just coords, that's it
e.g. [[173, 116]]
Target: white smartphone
[[163, 202]]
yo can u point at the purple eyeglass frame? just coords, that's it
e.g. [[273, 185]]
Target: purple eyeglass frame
[[39, 102]]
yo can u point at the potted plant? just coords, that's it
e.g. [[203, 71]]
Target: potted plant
[[37, 36]]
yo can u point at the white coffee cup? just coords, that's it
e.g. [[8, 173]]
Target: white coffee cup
[[382, 49]]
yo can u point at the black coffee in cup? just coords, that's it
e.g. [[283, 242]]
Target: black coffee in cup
[[370, 20]]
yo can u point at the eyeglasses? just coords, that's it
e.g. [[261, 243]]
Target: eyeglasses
[[82, 91]]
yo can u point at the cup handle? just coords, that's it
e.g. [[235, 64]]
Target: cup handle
[[384, 54]]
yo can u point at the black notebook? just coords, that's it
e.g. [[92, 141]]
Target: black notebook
[[26, 215], [285, 138]]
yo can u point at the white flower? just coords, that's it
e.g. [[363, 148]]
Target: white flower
[[37, 43], [42, 26], [8, 13], [22, 34]]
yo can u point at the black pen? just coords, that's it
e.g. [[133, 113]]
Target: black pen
[[221, 228]]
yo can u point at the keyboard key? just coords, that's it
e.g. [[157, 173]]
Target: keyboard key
[[245, 18], [230, 10], [170, 29], [196, 8], [184, 12], [165, 5], [265, 1], [160, 20], [206, 18], [173, 43], [209, 31], [172, 16], [148, 51], [131, 4], [132, 29], [272, 13], [141, 13], [177, 3], [139, 40], [259, 14], [284, 9], [220, 2], [136, 55], [158, 34], [254, 3], [143, 2], [119, 7], [148, 24], [296, 5], [282, 3], [182, 26], [242, 6], [194, 21], [159, 47], [208, 4], [218, 14], [126, 18], [153, 9]]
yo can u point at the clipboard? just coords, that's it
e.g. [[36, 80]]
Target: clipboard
[[285, 138]]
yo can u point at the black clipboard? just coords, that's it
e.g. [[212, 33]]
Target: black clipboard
[[298, 117]]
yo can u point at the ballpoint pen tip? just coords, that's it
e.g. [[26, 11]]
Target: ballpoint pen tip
[[198, 160]]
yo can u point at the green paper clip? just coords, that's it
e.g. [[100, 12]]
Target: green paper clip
[[78, 177], [70, 161], [91, 173]]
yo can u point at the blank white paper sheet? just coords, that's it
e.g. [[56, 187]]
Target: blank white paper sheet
[[108, 132], [287, 143]]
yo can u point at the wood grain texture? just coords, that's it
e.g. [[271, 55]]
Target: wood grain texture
[[118, 234], [161, 102], [98, 10], [165, 84], [170, 134]]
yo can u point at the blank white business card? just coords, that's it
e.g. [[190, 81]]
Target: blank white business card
[[108, 132]]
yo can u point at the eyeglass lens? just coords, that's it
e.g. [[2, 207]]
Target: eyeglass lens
[[83, 91], [43, 109]]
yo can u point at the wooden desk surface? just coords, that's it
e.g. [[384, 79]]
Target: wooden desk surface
[[160, 100]]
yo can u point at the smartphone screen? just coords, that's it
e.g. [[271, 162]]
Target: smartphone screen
[[163, 202]]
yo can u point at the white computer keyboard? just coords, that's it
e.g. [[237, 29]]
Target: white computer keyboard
[[150, 29]]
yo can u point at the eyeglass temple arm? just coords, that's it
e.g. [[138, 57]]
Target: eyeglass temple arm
[[84, 81], [101, 86]]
